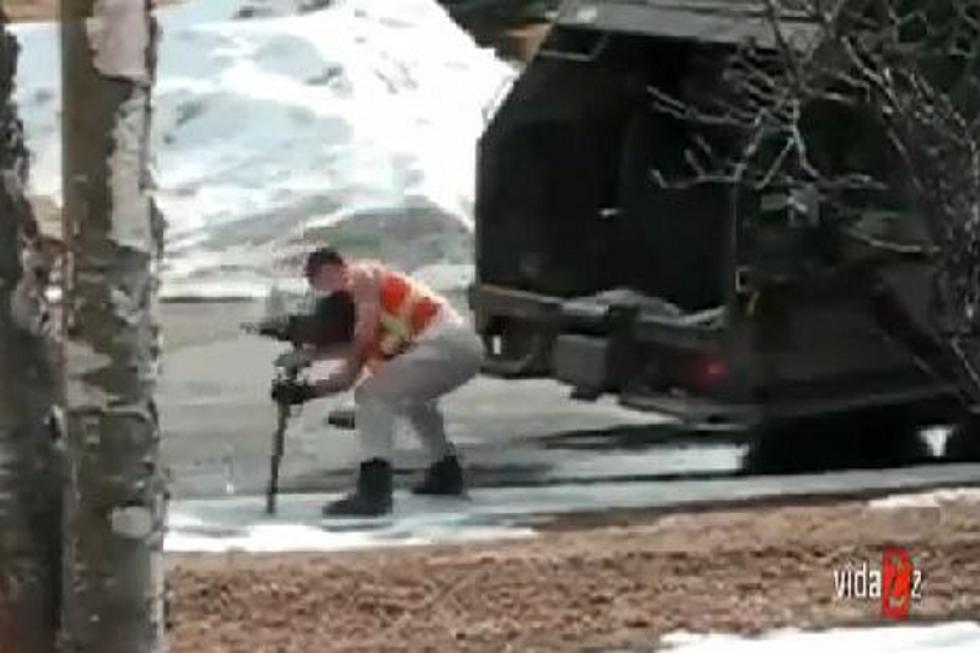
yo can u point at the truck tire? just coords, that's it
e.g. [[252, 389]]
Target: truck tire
[[963, 443], [870, 439]]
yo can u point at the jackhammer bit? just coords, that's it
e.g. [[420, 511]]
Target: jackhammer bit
[[330, 322], [289, 369]]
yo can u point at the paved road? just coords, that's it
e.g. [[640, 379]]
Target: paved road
[[531, 451]]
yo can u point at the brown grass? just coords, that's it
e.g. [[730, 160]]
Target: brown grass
[[742, 571]]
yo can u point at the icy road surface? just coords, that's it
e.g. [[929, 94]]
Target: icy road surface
[[240, 524]]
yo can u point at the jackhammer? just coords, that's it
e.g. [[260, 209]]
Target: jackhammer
[[289, 368], [330, 321]]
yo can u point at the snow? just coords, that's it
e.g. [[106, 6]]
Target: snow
[[296, 538], [954, 637], [354, 123], [933, 499], [936, 439], [119, 33], [239, 524]]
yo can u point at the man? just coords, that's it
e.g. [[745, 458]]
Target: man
[[409, 348]]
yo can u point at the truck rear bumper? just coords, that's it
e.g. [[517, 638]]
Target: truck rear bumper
[[583, 362], [538, 320], [589, 363]]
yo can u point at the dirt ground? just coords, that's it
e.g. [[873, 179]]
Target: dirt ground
[[578, 587]]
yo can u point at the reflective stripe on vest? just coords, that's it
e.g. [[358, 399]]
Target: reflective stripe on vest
[[407, 308]]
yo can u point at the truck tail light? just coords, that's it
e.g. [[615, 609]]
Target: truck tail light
[[706, 372]]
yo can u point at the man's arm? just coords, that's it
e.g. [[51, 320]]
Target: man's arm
[[366, 289], [342, 379], [339, 352], [348, 372]]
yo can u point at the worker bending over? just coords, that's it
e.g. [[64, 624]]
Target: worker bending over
[[409, 348]]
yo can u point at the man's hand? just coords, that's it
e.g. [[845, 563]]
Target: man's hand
[[339, 381], [292, 393]]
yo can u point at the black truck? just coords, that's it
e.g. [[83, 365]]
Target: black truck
[[719, 305]]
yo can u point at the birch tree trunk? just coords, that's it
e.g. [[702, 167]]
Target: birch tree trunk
[[29, 482], [115, 502]]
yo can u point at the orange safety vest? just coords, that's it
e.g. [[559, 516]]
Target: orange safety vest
[[407, 308]]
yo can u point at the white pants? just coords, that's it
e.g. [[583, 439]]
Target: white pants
[[447, 355]]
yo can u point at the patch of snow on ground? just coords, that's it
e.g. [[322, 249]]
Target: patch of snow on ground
[[239, 524], [934, 499], [956, 637]]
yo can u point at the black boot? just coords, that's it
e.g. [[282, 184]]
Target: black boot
[[372, 496], [443, 478]]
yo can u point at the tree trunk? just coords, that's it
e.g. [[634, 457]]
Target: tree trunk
[[29, 480], [115, 502]]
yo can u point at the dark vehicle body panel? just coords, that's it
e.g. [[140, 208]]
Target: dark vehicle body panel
[[672, 298]]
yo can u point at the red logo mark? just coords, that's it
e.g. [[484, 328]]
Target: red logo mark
[[897, 575]]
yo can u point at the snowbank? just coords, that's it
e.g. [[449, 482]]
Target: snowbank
[[280, 123], [934, 499], [957, 637]]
